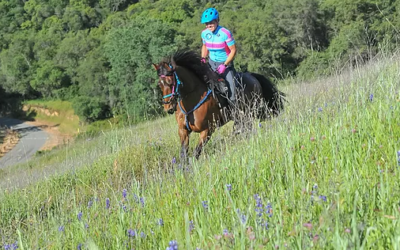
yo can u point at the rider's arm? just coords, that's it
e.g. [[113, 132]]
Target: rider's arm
[[204, 51], [231, 55]]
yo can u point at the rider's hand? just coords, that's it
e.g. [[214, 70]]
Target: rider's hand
[[221, 68], [203, 60]]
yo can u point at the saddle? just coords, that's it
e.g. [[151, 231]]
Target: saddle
[[220, 89]]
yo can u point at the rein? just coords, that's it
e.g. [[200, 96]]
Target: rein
[[175, 93]]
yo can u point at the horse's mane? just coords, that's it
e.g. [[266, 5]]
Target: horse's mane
[[192, 61]]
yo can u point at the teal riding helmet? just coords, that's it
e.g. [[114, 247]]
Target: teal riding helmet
[[209, 15]]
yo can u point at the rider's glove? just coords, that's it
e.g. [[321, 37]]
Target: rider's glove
[[203, 60], [221, 68]]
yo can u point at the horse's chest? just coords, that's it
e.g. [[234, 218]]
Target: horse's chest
[[195, 121]]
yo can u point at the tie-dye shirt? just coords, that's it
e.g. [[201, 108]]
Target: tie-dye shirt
[[217, 43]]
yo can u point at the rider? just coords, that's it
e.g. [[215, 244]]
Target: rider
[[218, 42]]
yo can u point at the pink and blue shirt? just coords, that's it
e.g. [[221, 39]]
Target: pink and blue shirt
[[218, 43]]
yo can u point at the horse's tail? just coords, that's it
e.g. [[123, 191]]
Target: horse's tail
[[273, 97]]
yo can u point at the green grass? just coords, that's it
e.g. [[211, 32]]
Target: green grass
[[324, 173], [52, 104], [66, 119]]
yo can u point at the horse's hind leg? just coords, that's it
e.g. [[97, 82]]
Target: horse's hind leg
[[184, 137], [204, 137]]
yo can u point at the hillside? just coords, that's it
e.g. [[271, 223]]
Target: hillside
[[322, 175], [98, 54]]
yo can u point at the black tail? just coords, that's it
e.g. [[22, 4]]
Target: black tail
[[273, 97]]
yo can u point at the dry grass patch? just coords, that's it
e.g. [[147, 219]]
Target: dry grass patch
[[8, 139]]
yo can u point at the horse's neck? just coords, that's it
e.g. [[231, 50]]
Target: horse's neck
[[191, 84], [193, 89]]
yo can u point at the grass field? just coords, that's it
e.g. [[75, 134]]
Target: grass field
[[323, 175]]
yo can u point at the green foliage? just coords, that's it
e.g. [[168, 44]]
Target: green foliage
[[17, 64], [130, 51], [90, 108], [48, 78], [315, 65]]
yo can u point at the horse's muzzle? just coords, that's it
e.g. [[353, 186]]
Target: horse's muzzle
[[171, 111]]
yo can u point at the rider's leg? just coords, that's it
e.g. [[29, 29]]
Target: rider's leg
[[229, 76]]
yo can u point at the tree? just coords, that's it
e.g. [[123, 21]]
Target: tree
[[17, 64], [130, 51]]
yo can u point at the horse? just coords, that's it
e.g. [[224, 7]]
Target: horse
[[185, 84]]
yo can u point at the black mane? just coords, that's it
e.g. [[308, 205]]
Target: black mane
[[192, 61]]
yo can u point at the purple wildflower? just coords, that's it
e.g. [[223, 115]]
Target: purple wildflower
[[319, 109], [143, 235], [191, 226], [371, 97], [61, 229], [229, 187], [124, 193], [173, 160], [398, 158], [173, 245], [79, 216], [107, 203], [142, 201], [160, 222], [205, 204], [322, 197], [86, 226], [90, 203], [259, 205], [136, 198], [131, 233], [79, 247], [242, 216], [268, 209], [225, 232], [260, 125], [314, 190], [12, 246]]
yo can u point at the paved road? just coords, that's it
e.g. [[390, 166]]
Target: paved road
[[31, 140]]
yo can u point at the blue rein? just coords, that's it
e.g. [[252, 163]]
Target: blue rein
[[176, 93]]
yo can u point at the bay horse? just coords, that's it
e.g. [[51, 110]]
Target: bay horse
[[184, 81]]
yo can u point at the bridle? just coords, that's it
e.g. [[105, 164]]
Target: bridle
[[175, 86]]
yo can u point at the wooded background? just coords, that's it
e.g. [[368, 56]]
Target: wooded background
[[98, 54]]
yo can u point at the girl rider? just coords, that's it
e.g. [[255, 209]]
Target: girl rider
[[219, 45]]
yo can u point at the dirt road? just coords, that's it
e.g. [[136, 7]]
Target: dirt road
[[32, 139]]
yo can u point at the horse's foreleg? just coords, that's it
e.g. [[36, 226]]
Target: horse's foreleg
[[204, 137], [184, 136]]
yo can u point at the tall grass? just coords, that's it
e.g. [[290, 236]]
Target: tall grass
[[323, 175]]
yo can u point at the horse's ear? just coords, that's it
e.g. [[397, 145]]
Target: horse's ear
[[155, 66]]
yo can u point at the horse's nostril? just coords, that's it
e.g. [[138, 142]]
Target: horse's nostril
[[170, 111]]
